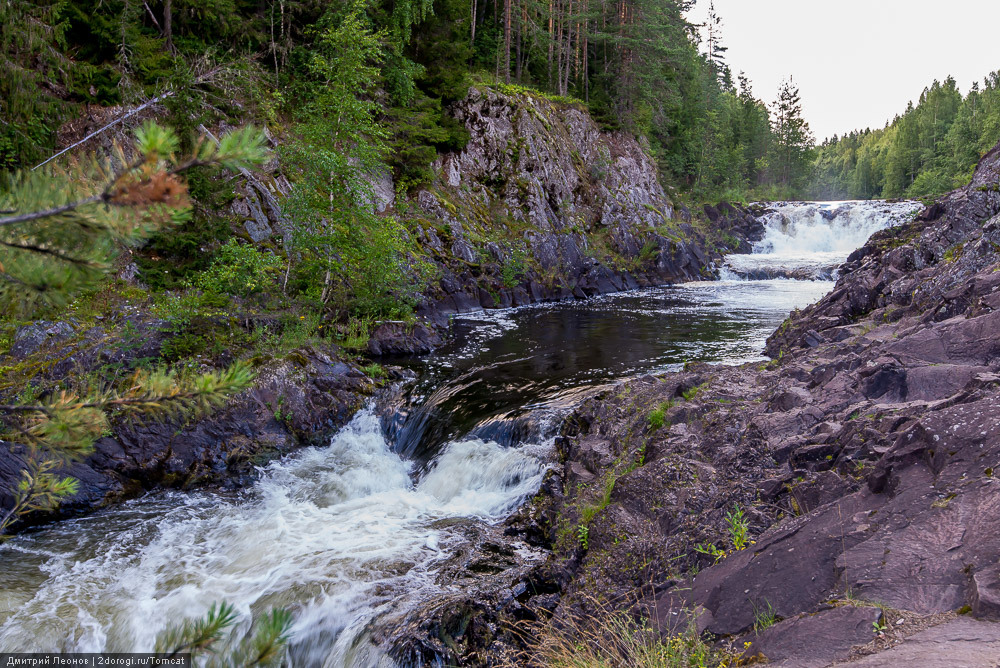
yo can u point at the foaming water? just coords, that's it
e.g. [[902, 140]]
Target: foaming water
[[809, 240], [340, 535]]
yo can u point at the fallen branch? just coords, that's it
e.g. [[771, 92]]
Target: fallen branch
[[159, 98]]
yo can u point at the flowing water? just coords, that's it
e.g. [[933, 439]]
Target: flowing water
[[809, 240], [353, 533]]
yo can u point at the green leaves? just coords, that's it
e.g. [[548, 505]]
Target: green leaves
[[239, 269]]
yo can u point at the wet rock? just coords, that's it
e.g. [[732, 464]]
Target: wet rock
[[402, 338], [295, 402]]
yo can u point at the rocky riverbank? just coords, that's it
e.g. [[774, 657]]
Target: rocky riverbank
[[862, 462], [540, 205], [297, 399]]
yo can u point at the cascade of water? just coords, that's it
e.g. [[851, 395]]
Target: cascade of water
[[338, 533], [809, 240]]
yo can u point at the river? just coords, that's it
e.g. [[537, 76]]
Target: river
[[351, 533]]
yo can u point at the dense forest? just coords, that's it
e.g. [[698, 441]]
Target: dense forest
[[928, 150], [638, 66], [348, 89]]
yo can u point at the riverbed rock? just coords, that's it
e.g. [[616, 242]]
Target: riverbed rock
[[299, 400], [861, 464]]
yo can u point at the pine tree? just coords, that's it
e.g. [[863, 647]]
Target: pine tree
[[59, 231], [716, 50]]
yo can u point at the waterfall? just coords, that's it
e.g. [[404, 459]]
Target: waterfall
[[810, 240], [342, 535]]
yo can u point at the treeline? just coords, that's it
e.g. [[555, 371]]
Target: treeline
[[638, 65], [928, 150]]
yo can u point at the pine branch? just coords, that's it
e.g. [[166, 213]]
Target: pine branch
[[55, 211], [48, 251]]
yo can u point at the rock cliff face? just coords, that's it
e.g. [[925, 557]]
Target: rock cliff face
[[299, 400], [541, 205], [864, 457]]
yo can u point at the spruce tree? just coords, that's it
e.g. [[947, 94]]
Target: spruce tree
[[792, 136]]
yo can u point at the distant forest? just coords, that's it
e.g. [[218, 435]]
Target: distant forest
[[930, 149], [638, 65]]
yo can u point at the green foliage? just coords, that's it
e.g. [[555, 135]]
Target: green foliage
[[210, 636], [175, 254], [583, 535], [791, 147], [64, 426], [65, 227], [240, 269], [738, 527], [738, 533], [419, 131], [374, 370], [711, 550], [929, 149], [349, 256], [692, 392], [355, 335], [764, 617], [656, 417], [513, 270], [61, 233], [32, 53]]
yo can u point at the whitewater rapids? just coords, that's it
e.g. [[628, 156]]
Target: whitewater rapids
[[340, 534], [810, 240]]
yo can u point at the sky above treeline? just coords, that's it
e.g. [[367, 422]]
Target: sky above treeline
[[857, 62]]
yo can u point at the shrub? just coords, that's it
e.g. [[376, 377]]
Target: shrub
[[657, 415], [239, 269]]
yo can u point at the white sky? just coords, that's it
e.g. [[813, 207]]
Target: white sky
[[857, 62]]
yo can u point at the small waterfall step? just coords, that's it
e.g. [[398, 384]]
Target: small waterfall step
[[810, 240]]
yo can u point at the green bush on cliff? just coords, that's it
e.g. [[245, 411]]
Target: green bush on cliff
[[240, 269]]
